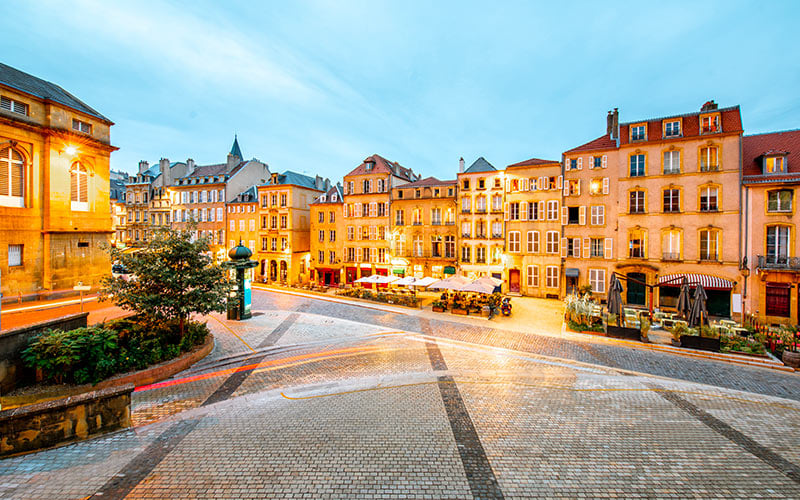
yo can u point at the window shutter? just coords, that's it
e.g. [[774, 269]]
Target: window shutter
[[605, 161], [605, 184], [576, 247], [508, 185], [386, 208], [525, 184], [587, 248], [534, 184], [582, 216], [542, 184], [590, 163], [563, 247], [560, 182], [360, 235], [580, 163], [564, 216], [523, 208], [578, 192], [607, 253], [541, 210], [370, 185], [566, 188], [505, 209]]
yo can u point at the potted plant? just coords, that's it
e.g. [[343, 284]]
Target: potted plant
[[438, 306], [677, 331], [459, 305], [645, 329], [790, 356], [705, 339]]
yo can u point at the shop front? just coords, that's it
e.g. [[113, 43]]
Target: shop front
[[717, 289]]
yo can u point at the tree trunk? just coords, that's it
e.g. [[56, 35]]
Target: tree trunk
[[182, 324]]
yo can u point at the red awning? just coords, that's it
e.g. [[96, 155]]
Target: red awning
[[708, 282]]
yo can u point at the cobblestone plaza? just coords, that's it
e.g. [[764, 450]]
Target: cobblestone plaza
[[320, 399]]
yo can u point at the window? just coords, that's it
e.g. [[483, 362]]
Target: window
[[533, 242], [450, 247], [321, 257], [332, 217], [466, 204], [273, 222], [497, 184], [436, 216], [638, 133], [466, 229], [777, 244], [551, 277], [597, 162], [436, 246], [552, 210], [13, 106], [672, 162], [671, 245], [321, 236], [709, 244], [636, 205], [513, 211], [284, 243], [321, 217], [465, 184], [497, 229], [332, 257], [533, 276], [466, 254], [775, 165], [708, 199], [513, 241], [778, 299], [283, 200], [709, 124], [81, 126], [283, 222], [672, 128], [573, 215], [480, 255], [672, 201], [637, 165], [596, 247], [78, 188], [709, 159], [497, 203], [780, 201], [572, 164], [12, 168], [597, 279], [533, 211], [598, 215], [573, 187], [274, 244], [417, 217], [14, 255], [274, 200], [481, 184], [417, 246], [331, 235], [480, 229], [480, 204], [636, 244], [551, 243]]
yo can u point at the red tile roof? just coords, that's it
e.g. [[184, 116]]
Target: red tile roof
[[533, 162], [731, 120], [601, 143], [755, 146], [384, 166], [429, 181]]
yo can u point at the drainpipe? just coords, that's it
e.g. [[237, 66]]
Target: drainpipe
[[741, 209]]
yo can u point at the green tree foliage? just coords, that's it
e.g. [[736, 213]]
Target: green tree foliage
[[81, 355], [173, 277]]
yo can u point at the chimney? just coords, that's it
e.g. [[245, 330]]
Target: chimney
[[327, 184], [709, 106], [166, 173], [615, 124], [143, 166], [232, 161], [189, 166], [461, 165], [609, 122]]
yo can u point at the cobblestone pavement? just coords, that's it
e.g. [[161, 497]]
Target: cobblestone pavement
[[321, 400]]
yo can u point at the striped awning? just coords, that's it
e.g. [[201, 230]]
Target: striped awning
[[708, 282]]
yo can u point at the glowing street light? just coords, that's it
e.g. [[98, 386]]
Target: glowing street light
[[71, 150]]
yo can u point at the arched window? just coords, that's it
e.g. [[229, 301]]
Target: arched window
[[12, 168], [79, 192]]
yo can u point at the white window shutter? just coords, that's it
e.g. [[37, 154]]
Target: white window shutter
[[580, 163], [576, 247], [525, 184], [563, 247], [508, 185], [582, 216], [386, 208], [607, 251], [605, 161], [359, 232], [578, 192], [560, 182], [505, 209], [541, 210], [605, 185], [566, 188], [587, 248], [564, 216], [523, 208]]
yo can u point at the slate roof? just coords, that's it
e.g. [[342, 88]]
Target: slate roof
[[382, 165], [209, 170], [235, 149], [337, 190], [533, 162], [295, 179], [602, 143], [249, 195], [43, 89], [480, 165], [754, 147], [428, 181]]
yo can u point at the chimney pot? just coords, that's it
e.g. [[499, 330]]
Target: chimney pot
[[461, 165], [143, 166]]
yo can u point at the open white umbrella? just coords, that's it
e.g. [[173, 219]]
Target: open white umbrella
[[452, 283], [426, 281], [408, 280], [383, 280], [489, 280], [478, 287], [365, 279]]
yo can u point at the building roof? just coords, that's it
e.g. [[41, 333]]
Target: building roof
[[731, 121], [384, 166], [293, 178], [480, 165], [43, 89], [337, 190], [602, 143], [235, 149], [249, 195], [533, 162], [209, 170], [428, 181], [755, 147]]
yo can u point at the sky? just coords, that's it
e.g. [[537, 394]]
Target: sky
[[317, 86]]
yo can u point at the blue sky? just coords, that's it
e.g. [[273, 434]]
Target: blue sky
[[317, 86]]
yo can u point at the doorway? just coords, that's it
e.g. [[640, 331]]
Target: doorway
[[513, 280], [636, 289]]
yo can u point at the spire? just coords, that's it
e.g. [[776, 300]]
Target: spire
[[235, 150]]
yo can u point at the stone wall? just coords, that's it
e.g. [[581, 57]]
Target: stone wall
[[12, 343], [51, 423]]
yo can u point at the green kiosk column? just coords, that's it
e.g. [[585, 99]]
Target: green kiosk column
[[239, 296]]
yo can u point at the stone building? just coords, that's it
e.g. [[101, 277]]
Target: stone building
[[241, 214], [424, 234], [771, 271], [285, 213], [327, 237], [481, 208], [533, 262], [55, 213], [367, 204]]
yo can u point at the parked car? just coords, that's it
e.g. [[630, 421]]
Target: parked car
[[119, 271]]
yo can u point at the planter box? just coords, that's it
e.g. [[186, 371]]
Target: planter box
[[438, 309], [621, 332], [462, 312], [791, 359], [702, 343]]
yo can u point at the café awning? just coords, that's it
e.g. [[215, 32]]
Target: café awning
[[709, 282]]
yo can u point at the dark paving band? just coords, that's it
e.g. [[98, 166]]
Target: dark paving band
[[760, 451], [143, 464], [482, 482]]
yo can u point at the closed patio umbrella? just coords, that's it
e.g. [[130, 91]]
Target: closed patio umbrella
[[699, 314], [684, 300], [614, 298]]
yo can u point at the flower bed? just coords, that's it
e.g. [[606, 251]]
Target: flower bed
[[382, 297]]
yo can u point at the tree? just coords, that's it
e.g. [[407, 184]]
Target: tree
[[171, 278]]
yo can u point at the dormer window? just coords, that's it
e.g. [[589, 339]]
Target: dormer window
[[417, 193], [333, 197], [638, 133], [775, 165], [368, 165], [709, 124], [672, 128]]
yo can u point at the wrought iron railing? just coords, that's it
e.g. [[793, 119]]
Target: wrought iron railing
[[778, 262], [670, 256]]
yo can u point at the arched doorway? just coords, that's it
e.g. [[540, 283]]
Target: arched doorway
[[263, 267], [273, 270], [283, 270]]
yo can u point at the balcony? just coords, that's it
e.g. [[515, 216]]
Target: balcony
[[450, 223], [480, 235], [497, 236], [709, 168], [466, 211], [779, 263], [480, 210], [436, 223], [497, 210], [416, 223], [670, 256]]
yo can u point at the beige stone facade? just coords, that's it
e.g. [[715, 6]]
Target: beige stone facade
[[327, 237]]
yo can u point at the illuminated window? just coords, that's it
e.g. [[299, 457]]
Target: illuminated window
[[775, 165], [12, 168], [709, 159], [780, 201], [709, 244], [79, 190], [709, 124], [637, 244]]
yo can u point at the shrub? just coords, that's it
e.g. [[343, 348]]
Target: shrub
[[75, 356], [644, 327], [678, 330]]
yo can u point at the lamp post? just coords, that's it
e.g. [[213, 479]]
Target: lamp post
[[239, 296]]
